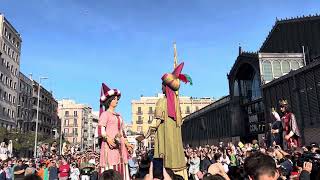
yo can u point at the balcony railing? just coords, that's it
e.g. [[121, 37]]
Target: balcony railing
[[139, 112], [139, 122], [151, 112]]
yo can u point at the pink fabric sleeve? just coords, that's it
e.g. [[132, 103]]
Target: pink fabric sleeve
[[102, 125]]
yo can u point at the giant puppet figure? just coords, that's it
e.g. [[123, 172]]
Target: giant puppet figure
[[114, 145], [168, 140], [292, 133], [276, 129]]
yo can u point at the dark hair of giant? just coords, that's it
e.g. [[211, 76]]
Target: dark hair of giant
[[107, 102]]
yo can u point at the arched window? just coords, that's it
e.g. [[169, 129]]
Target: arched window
[[285, 67], [267, 71], [256, 91], [295, 65], [276, 69]]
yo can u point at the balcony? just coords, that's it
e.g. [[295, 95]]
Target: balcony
[[151, 112], [68, 134], [139, 113], [70, 125], [139, 122]]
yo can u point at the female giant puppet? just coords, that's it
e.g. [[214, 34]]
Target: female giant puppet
[[290, 125], [168, 140], [114, 145]]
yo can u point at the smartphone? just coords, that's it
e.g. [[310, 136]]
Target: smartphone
[[157, 168]]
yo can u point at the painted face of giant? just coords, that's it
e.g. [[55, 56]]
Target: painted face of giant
[[114, 102]]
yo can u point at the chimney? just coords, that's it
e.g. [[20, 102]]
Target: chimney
[[240, 50]]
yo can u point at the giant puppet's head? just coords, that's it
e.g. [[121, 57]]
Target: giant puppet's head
[[171, 83], [172, 80], [106, 95]]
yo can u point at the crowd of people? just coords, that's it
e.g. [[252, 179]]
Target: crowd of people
[[221, 161]]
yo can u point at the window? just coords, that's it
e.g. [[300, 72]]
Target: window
[[66, 131], [188, 110], [3, 110], [75, 122], [267, 71], [139, 129], [150, 119], [285, 67], [66, 113], [276, 69], [66, 122], [15, 85], [150, 110], [75, 131], [139, 110], [74, 140], [75, 113], [295, 65]]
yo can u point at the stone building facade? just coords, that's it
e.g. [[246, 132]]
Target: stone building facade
[[10, 48]]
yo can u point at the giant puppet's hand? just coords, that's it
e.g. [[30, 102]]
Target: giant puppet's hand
[[111, 142], [129, 147]]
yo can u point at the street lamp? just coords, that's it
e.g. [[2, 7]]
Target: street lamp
[[37, 120]]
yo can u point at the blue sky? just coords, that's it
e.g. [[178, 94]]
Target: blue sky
[[128, 44]]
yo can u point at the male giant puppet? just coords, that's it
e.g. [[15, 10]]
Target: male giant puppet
[[290, 125], [168, 140]]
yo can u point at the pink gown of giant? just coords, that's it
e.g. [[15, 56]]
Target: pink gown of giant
[[110, 124]]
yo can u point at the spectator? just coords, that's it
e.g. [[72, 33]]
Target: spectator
[[19, 171], [2, 173], [30, 169], [205, 162], [194, 166], [64, 170], [40, 172], [53, 171], [32, 177], [95, 174], [75, 173], [260, 166], [233, 163], [110, 175], [7, 170], [133, 166], [218, 169], [225, 161]]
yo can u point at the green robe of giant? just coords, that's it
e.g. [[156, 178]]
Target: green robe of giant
[[168, 139]]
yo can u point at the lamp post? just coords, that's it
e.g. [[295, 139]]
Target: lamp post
[[37, 120], [61, 129]]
